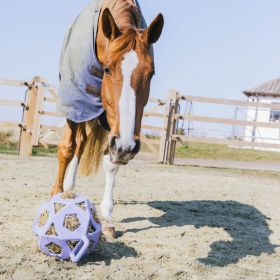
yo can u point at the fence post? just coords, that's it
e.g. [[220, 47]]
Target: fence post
[[30, 130], [164, 133], [174, 126], [39, 106], [167, 144]]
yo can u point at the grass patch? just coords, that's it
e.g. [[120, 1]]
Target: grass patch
[[12, 149], [6, 145], [151, 136], [218, 152], [41, 151], [192, 150], [9, 148], [223, 152]]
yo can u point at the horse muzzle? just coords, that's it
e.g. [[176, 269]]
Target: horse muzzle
[[121, 156]]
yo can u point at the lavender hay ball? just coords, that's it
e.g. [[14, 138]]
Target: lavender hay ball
[[67, 227]]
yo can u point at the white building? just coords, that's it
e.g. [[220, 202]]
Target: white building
[[269, 93]]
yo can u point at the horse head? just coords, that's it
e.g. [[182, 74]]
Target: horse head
[[128, 65]]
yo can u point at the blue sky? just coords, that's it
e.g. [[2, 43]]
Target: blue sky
[[211, 48]]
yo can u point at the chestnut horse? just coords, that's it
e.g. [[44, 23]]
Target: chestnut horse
[[125, 53]]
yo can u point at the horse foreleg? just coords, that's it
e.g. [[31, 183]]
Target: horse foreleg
[[70, 180], [65, 154], [107, 204]]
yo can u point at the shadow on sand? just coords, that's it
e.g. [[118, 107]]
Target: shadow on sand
[[110, 251], [246, 225]]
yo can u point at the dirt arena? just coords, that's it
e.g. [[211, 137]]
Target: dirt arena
[[172, 222]]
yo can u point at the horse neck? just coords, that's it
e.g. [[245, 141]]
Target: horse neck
[[126, 15]]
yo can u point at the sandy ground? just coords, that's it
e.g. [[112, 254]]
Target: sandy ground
[[172, 222]]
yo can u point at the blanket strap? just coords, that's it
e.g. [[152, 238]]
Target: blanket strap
[[97, 72], [90, 89]]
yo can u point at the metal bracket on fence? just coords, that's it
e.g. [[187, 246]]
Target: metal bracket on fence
[[23, 127], [28, 85], [179, 139], [178, 117], [22, 104]]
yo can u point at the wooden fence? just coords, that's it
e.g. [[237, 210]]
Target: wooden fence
[[37, 92], [34, 131], [170, 132]]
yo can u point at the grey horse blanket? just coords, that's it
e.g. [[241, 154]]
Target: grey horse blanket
[[80, 71]]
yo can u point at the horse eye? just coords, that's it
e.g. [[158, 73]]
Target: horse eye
[[107, 70]]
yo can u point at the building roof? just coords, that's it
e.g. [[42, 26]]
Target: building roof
[[271, 88]]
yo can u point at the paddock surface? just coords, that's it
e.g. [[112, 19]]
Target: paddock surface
[[173, 223]]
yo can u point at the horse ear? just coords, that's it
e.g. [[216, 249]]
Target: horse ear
[[153, 32], [109, 26]]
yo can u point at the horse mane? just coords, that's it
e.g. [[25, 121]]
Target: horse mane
[[125, 42], [126, 13]]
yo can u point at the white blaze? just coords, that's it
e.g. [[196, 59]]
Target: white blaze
[[127, 103]]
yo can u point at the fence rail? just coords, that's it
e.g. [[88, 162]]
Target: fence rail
[[227, 121], [10, 124], [14, 83], [231, 102]]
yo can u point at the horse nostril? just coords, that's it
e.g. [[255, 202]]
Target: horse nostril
[[112, 143]]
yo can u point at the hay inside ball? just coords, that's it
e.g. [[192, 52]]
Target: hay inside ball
[[67, 226]]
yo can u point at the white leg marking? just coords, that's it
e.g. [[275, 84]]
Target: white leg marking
[[107, 204], [127, 103], [69, 182]]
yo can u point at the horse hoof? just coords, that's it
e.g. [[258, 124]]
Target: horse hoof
[[109, 232]]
